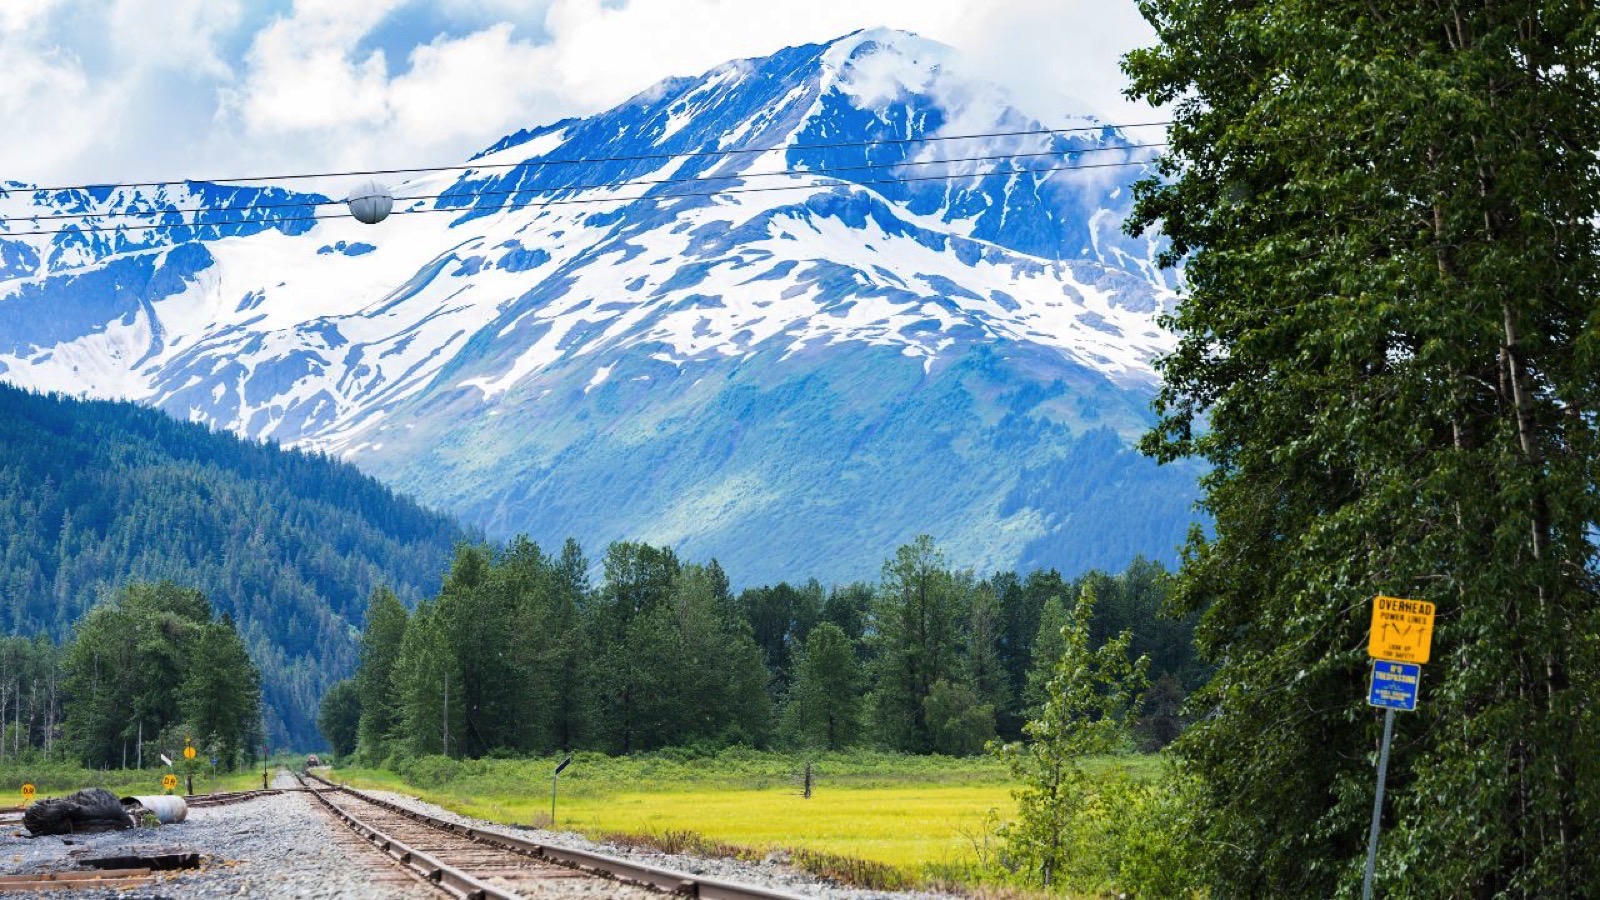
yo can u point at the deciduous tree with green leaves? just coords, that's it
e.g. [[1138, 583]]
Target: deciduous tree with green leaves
[[917, 635], [1389, 354], [150, 662], [339, 716], [824, 708], [1066, 830]]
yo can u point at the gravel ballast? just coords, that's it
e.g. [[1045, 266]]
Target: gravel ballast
[[269, 847], [286, 846]]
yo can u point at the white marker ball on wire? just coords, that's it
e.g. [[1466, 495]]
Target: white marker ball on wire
[[370, 203]]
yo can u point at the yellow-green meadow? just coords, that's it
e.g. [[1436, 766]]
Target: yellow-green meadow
[[916, 815]]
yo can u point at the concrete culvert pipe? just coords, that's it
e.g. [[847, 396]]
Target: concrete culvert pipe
[[168, 809]]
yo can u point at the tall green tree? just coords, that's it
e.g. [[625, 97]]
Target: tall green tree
[[983, 666], [221, 694], [569, 653], [780, 616], [483, 610], [1067, 825], [1388, 217], [427, 686], [377, 697], [917, 622], [1048, 648], [339, 716], [638, 581], [824, 706], [150, 662]]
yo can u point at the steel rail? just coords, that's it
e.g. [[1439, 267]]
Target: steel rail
[[669, 880], [447, 878], [225, 797]]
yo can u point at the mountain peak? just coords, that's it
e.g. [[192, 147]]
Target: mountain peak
[[648, 323], [879, 63]]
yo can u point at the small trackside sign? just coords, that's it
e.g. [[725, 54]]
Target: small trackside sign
[[1402, 630], [1394, 685]]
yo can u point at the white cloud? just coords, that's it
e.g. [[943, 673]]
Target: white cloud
[[179, 90], [21, 15], [498, 74], [185, 31], [303, 73]]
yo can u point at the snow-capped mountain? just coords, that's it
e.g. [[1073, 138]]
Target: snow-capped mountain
[[611, 327]]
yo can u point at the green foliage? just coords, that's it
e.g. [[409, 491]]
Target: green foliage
[[662, 654], [1048, 648], [848, 608], [95, 495], [959, 724], [1069, 822], [1390, 218], [824, 706], [30, 695], [780, 617], [380, 646], [339, 718], [152, 663], [221, 693], [425, 677], [916, 623]]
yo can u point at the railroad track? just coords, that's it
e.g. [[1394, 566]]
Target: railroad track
[[474, 864]]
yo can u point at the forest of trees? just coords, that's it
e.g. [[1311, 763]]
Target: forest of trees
[[149, 668], [1389, 219], [520, 654], [96, 495]]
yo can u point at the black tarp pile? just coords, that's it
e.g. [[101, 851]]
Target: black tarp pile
[[92, 809]]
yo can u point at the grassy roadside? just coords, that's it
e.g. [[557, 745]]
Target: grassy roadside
[[874, 819], [55, 779]]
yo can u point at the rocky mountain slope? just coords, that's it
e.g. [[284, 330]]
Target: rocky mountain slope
[[611, 327]]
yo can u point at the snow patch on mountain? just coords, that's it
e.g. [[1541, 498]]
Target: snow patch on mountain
[[598, 271]]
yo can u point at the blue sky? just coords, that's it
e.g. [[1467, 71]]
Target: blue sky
[[99, 90]]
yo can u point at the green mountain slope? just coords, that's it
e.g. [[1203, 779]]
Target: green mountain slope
[[95, 494]]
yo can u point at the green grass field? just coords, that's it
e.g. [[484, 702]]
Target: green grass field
[[919, 816], [55, 779]]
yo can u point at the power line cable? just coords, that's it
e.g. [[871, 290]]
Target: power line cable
[[1038, 132], [575, 187], [949, 176]]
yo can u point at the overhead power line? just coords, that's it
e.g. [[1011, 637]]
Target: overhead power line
[[642, 157], [305, 204], [577, 201]]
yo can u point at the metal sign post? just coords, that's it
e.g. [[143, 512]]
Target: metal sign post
[[1377, 807], [1400, 641]]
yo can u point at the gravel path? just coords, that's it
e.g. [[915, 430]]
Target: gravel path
[[271, 847], [771, 873], [287, 847]]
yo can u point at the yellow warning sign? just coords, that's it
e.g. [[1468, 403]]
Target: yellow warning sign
[[27, 793], [1402, 630], [188, 753], [169, 781]]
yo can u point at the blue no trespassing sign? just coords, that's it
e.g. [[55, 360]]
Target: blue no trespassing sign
[[1394, 685]]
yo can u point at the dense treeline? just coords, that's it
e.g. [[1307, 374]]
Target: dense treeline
[[519, 653], [151, 668], [96, 495], [1389, 216]]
